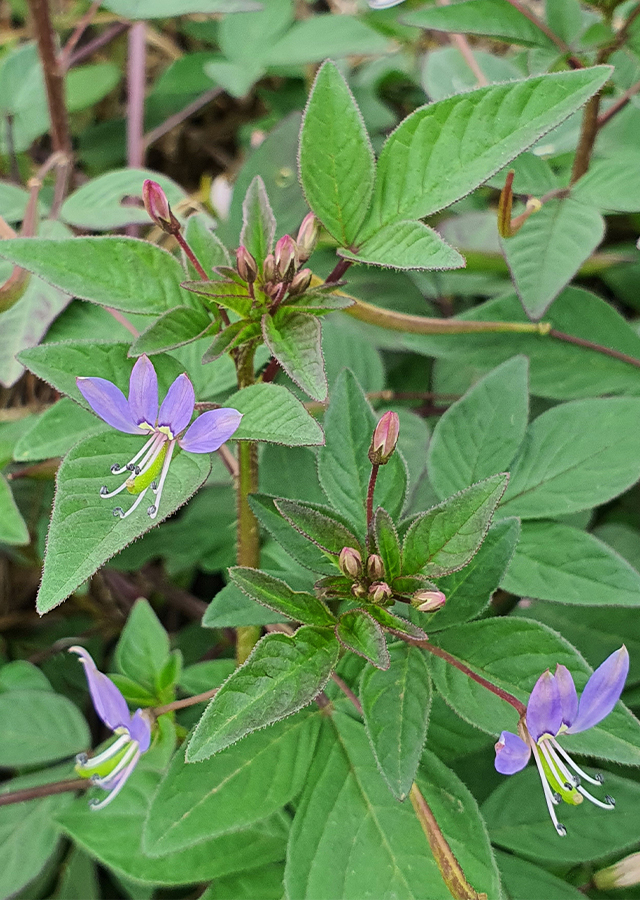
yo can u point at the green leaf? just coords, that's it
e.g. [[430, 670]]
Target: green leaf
[[265, 883], [387, 544], [396, 706], [121, 272], [314, 39], [242, 785], [517, 818], [84, 533], [295, 339], [205, 243], [319, 524], [98, 204], [395, 624], [282, 675], [469, 590], [296, 545], [359, 632], [521, 878], [231, 607], [492, 18], [448, 536], [512, 653], [504, 120], [343, 464], [13, 528], [223, 293], [143, 648], [549, 249], [115, 837], [258, 222], [576, 456], [19, 674], [480, 434], [224, 341], [173, 329], [406, 245], [337, 166], [271, 413], [56, 430], [39, 727], [611, 184], [563, 564], [275, 594]]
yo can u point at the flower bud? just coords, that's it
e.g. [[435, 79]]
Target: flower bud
[[380, 592], [307, 237], [246, 265], [428, 601], [350, 562], [375, 567], [358, 590], [286, 257], [300, 282], [157, 207], [385, 438], [269, 269], [624, 873]]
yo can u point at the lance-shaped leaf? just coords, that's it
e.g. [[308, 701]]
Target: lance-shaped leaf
[[446, 537], [492, 18], [396, 704], [223, 293], [277, 595], [320, 524], [336, 159], [174, 329], [271, 413], [395, 624], [13, 528], [359, 632], [121, 272], [406, 245], [258, 221], [295, 339], [504, 120], [296, 544], [282, 675], [224, 341], [387, 544], [84, 533]]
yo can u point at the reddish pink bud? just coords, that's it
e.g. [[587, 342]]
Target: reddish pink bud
[[375, 567], [286, 257], [380, 592], [385, 438], [157, 207], [300, 282], [428, 601], [246, 265], [307, 237], [350, 562]]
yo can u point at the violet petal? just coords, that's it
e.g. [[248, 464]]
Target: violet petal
[[568, 695], [210, 430], [143, 392], [602, 691], [512, 754], [105, 696], [108, 401], [544, 710], [177, 407], [140, 730]]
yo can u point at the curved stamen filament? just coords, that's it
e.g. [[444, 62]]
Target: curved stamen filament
[[96, 805], [123, 515], [563, 753], [118, 470], [106, 780], [548, 796], [597, 802], [94, 762], [153, 510], [552, 762]]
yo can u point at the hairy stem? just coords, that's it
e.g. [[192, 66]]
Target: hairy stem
[[588, 134], [183, 704], [340, 268], [247, 483], [372, 486], [53, 76], [136, 74]]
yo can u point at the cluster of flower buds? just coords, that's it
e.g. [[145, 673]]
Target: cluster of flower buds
[[281, 270], [385, 438], [367, 579]]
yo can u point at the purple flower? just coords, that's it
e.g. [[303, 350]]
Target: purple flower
[[164, 427], [554, 709], [111, 768]]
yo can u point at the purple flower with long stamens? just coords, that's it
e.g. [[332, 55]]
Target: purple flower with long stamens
[[111, 768], [164, 427], [554, 709]]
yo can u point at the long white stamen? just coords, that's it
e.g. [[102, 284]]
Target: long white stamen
[[96, 805], [118, 511], [104, 781], [560, 771], [152, 448], [106, 494], [547, 793], [118, 470], [153, 510], [93, 762], [563, 753], [152, 454], [585, 793]]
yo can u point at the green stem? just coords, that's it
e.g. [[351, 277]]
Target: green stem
[[248, 533]]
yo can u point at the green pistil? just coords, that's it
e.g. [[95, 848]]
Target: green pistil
[[139, 483], [573, 797]]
